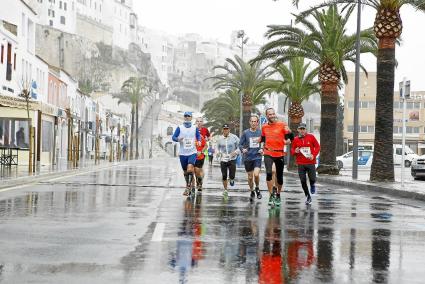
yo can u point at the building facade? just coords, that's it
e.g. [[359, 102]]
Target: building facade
[[415, 115]]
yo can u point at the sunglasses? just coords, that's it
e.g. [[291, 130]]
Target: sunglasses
[[187, 116]]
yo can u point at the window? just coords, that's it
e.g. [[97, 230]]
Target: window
[[350, 128], [65, 6], [415, 130], [350, 104], [14, 132], [51, 23], [63, 20], [1, 54], [397, 104], [60, 4], [398, 151], [364, 104], [372, 104], [9, 62], [409, 129], [363, 128]]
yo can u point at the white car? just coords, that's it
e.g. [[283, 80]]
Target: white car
[[418, 167], [346, 161]]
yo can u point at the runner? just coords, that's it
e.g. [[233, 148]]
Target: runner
[[252, 154], [210, 154], [203, 130], [305, 148], [227, 149], [274, 135], [187, 135], [200, 158]]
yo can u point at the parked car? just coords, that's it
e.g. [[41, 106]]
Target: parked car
[[418, 167], [365, 157], [346, 161]]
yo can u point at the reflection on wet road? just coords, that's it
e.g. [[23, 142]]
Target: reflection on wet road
[[131, 224]]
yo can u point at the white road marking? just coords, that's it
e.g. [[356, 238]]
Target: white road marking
[[158, 233]]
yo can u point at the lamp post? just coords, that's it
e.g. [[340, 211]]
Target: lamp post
[[356, 97], [241, 34]]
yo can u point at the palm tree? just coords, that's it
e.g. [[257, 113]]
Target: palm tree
[[246, 78], [297, 83], [134, 91], [388, 28], [226, 109], [325, 42]]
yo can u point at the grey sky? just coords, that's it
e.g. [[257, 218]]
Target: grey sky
[[216, 19]]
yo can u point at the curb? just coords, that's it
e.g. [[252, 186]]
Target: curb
[[368, 186]]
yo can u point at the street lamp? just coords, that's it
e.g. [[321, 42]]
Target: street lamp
[[241, 34], [357, 97]]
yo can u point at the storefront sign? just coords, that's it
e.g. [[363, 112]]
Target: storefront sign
[[49, 109], [17, 102]]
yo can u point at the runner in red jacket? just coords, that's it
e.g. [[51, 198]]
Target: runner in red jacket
[[305, 148]]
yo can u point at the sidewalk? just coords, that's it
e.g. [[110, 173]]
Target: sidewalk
[[19, 175]]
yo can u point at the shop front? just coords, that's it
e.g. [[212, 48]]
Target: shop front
[[15, 126]]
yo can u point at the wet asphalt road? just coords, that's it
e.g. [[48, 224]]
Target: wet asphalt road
[[131, 224]]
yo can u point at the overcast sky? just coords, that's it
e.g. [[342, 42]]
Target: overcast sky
[[216, 19]]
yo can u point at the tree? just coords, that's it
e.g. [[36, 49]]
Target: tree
[[246, 78], [134, 91], [325, 42], [388, 28], [226, 109], [297, 84]]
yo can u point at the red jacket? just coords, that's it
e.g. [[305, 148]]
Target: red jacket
[[308, 141]]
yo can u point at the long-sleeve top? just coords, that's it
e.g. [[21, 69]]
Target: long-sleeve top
[[307, 145], [249, 141], [228, 145]]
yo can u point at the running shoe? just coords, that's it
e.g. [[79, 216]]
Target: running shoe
[[186, 192], [232, 182], [257, 191], [252, 197], [313, 189], [308, 201]]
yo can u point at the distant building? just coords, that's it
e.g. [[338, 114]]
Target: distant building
[[415, 115], [58, 14]]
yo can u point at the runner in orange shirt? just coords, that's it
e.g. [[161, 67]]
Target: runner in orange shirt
[[275, 135]]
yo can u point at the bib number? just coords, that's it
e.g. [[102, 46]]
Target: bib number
[[253, 142], [306, 151], [187, 143]]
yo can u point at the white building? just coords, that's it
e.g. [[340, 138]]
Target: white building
[[161, 48], [92, 9], [59, 14], [119, 15], [20, 68]]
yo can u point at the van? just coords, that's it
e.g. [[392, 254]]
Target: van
[[409, 155]]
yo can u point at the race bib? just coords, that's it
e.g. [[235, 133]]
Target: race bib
[[188, 143], [253, 142], [306, 151]]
